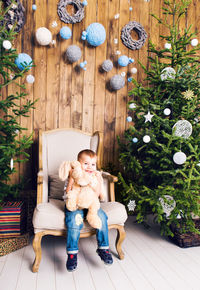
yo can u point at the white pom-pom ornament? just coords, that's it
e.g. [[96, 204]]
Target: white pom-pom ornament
[[194, 42], [179, 158], [7, 44], [129, 119], [146, 139], [134, 70], [168, 45], [30, 79], [167, 112], [43, 36]]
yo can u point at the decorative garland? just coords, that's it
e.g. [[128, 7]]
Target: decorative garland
[[126, 35], [65, 17], [14, 16]]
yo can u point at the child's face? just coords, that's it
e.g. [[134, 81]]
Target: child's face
[[88, 163]]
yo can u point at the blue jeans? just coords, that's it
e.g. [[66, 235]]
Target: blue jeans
[[74, 224]]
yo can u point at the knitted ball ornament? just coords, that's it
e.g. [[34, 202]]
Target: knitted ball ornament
[[63, 14], [65, 32], [23, 60], [95, 34], [117, 82], [126, 35], [73, 53], [124, 60], [43, 36], [107, 65]]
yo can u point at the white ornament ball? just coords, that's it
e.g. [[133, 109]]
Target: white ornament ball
[[30, 79], [146, 139], [132, 106], [167, 112], [168, 45], [7, 44], [43, 36], [179, 158], [194, 42], [135, 140], [129, 119], [134, 70], [11, 163], [168, 73]]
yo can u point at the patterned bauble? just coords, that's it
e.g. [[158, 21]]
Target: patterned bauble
[[168, 73], [73, 53], [182, 128], [95, 34], [117, 82], [168, 204]]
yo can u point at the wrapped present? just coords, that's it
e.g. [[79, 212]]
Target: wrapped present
[[8, 245], [12, 219]]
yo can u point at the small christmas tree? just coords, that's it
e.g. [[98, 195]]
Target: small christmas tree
[[13, 143], [160, 151]]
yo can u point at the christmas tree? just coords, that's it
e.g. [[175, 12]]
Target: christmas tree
[[160, 151], [13, 143]]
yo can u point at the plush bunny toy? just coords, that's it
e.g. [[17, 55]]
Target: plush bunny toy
[[82, 194]]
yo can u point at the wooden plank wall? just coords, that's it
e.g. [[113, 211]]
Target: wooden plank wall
[[68, 97]]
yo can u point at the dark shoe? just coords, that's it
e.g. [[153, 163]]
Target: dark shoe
[[71, 262], [105, 256]]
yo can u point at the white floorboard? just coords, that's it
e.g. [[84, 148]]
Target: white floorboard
[[151, 262]]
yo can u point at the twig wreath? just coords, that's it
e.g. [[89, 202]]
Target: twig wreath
[[126, 35], [65, 17], [15, 16]]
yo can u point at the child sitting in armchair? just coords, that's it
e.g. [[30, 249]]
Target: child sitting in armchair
[[74, 219]]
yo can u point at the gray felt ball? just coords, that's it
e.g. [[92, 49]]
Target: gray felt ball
[[117, 82], [107, 65], [73, 53]]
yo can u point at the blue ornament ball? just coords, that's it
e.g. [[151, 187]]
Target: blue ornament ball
[[129, 119], [23, 60], [65, 32], [124, 60], [34, 7], [95, 34], [135, 140]]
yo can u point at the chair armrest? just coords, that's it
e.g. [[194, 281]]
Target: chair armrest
[[39, 186], [111, 179]]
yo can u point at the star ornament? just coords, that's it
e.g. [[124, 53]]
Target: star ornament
[[148, 117], [131, 205]]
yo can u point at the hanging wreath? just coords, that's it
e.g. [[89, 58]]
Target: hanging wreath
[[65, 17], [14, 16], [126, 35]]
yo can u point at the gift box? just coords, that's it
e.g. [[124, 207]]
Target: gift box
[[8, 245], [12, 219]]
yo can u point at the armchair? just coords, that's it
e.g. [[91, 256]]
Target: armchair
[[56, 146]]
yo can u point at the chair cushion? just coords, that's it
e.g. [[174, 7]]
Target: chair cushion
[[51, 215], [56, 187]]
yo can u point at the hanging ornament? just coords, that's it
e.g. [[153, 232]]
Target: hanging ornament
[[83, 64], [135, 140], [168, 45], [134, 70], [123, 74], [124, 60], [146, 139], [182, 128], [188, 95], [34, 7], [129, 119], [131, 205], [7, 44], [179, 158], [11, 163], [116, 16], [132, 106], [148, 117], [95, 34], [194, 42], [79, 11], [168, 73], [43, 36], [23, 60], [73, 53], [30, 79], [167, 111], [168, 204], [117, 82]]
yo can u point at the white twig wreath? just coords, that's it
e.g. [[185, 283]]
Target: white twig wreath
[[126, 35], [65, 17]]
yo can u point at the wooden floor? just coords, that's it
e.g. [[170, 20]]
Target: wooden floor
[[151, 262]]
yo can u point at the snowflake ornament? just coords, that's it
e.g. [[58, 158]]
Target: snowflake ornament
[[188, 95], [131, 205], [54, 24]]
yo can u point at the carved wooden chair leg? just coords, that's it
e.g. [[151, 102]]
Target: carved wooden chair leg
[[121, 234], [38, 251]]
